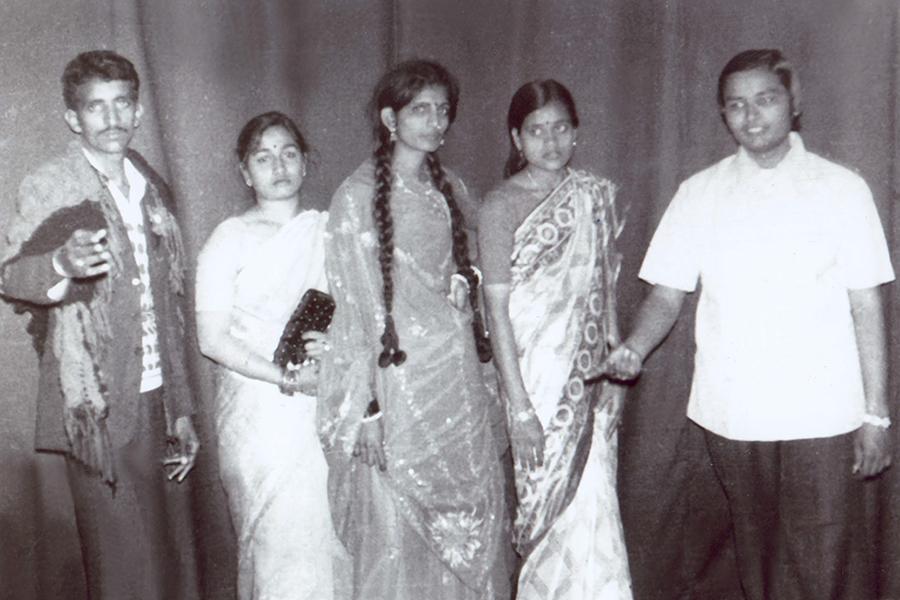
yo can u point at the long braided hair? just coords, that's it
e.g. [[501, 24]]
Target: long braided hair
[[396, 89]]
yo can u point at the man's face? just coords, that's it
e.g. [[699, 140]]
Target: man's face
[[758, 112], [106, 116]]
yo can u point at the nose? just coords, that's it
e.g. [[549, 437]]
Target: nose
[[552, 141], [278, 167], [113, 118], [752, 111], [437, 120]]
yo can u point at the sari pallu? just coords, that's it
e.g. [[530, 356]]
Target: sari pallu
[[430, 525], [270, 461], [562, 308]]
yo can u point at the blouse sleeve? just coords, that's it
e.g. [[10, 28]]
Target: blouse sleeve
[[217, 266], [496, 238]]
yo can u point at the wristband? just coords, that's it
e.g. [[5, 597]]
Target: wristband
[[372, 418], [523, 416], [875, 420]]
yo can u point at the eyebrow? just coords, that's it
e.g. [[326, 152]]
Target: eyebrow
[[769, 90]]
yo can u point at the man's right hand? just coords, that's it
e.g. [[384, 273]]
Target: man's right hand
[[85, 254], [622, 364]]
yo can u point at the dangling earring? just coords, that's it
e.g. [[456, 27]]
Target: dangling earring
[[393, 136], [574, 142], [442, 142]]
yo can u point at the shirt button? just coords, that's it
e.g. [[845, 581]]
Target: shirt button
[[135, 281]]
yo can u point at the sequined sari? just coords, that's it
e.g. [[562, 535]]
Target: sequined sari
[[431, 525], [562, 308]]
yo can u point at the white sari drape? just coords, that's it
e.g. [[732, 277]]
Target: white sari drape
[[270, 460], [562, 308]]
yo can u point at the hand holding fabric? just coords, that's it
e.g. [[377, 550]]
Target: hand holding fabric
[[871, 450], [622, 363]]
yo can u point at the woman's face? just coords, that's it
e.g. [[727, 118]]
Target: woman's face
[[547, 137], [421, 124], [275, 168]]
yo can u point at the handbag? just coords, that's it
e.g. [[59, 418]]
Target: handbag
[[312, 314]]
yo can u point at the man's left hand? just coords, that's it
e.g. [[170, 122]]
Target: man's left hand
[[188, 446], [871, 450]]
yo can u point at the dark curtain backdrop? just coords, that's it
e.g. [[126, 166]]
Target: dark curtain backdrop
[[643, 73]]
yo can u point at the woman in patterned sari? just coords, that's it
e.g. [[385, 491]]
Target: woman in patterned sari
[[251, 275], [546, 237], [414, 476]]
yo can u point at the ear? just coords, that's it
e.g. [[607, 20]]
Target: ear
[[71, 118], [245, 174], [388, 118], [138, 113], [517, 140]]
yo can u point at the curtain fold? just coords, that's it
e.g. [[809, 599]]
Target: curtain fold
[[643, 74]]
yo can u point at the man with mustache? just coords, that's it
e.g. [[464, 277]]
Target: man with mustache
[[95, 253], [790, 376]]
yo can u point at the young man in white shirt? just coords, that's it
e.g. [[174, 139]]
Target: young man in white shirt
[[790, 371]]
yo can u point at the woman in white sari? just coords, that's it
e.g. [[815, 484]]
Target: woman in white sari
[[250, 276], [546, 239]]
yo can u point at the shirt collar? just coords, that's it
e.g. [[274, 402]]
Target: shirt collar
[[137, 183], [748, 168]]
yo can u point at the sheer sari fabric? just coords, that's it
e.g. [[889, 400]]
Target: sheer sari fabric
[[431, 525]]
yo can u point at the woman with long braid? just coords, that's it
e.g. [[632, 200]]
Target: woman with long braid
[[414, 482]]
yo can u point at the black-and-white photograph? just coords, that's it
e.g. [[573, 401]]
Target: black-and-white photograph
[[449, 300]]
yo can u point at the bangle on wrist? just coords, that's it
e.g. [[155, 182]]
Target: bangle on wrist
[[372, 418], [289, 379], [524, 415], [875, 420]]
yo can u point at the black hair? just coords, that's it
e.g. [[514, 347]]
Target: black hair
[[104, 65], [772, 61], [257, 126], [396, 89], [527, 99]]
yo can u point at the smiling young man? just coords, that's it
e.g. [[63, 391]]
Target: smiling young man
[[790, 374], [94, 248]]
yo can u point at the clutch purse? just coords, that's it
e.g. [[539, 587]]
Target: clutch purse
[[312, 314]]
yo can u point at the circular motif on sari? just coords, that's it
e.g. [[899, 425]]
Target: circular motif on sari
[[595, 304], [548, 233], [591, 333], [575, 387], [583, 361], [527, 254], [564, 415], [563, 216]]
